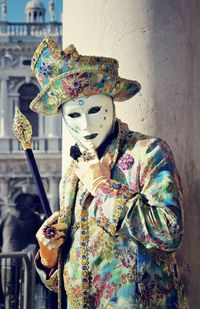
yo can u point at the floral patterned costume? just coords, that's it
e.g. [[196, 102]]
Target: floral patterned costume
[[122, 241]]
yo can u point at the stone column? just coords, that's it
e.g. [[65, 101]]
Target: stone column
[[50, 127], [52, 132], [4, 191], [156, 43], [3, 108], [53, 196]]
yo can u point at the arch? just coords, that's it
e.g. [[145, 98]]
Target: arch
[[29, 80], [22, 192], [35, 16], [27, 92]]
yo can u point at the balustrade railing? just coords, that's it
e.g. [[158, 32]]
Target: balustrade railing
[[30, 29], [39, 144]]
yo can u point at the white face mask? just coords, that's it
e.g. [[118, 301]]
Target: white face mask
[[89, 120]]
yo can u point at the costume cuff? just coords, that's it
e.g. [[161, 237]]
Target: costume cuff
[[49, 276]]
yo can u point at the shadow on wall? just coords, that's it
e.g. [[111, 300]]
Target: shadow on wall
[[176, 59]]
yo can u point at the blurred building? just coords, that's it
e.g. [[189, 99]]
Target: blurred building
[[18, 87]]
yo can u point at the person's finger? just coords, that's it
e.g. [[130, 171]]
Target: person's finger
[[90, 150], [56, 244], [53, 242], [91, 146], [82, 168], [86, 164], [50, 221], [106, 160], [88, 146], [60, 226], [53, 218], [59, 234], [55, 239]]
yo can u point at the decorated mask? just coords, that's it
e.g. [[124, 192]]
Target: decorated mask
[[89, 119]]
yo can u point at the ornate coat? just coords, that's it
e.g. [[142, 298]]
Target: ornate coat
[[122, 242]]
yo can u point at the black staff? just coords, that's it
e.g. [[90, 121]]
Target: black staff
[[23, 131]]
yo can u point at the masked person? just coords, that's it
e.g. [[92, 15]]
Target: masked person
[[113, 242]]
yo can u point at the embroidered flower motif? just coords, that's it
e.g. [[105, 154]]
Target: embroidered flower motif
[[46, 69], [75, 84], [126, 161]]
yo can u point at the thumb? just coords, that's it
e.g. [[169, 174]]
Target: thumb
[[106, 161]]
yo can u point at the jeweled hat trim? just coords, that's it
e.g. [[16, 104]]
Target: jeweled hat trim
[[66, 75]]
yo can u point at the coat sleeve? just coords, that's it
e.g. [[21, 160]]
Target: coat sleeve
[[48, 276], [67, 193], [153, 215]]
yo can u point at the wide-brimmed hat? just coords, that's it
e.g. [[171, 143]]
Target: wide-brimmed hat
[[65, 75]]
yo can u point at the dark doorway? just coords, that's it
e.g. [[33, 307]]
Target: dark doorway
[[27, 93]]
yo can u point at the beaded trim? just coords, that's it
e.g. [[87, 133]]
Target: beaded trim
[[114, 86], [48, 41], [70, 292], [84, 238], [85, 277], [109, 226], [68, 51], [38, 106], [54, 79]]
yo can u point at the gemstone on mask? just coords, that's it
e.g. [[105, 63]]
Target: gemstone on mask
[[81, 102]]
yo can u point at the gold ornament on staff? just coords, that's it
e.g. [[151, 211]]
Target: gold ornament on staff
[[23, 132], [22, 129]]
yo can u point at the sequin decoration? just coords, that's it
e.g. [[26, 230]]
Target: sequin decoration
[[126, 162], [84, 252], [70, 76]]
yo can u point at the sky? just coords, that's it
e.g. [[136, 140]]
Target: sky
[[15, 10]]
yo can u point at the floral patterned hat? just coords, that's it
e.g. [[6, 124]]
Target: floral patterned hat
[[65, 75]]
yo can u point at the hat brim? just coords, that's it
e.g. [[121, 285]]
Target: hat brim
[[66, 87]]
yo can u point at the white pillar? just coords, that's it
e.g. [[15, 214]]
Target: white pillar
[[50, 127], [4, 190], [53, 132], [41, 121], [53, 196], [156, 43], [3, 108]]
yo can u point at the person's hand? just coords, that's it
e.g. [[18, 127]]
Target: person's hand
[[91, 171], [50, 237]]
